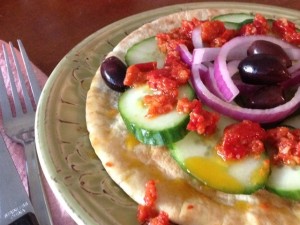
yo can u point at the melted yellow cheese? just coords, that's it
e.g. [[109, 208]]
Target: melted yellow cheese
[[131, 141], [214, 172], [242, 205]]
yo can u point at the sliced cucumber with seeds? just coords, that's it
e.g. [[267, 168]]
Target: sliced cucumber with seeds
[[285, 181], [145, 51], [197, 156], [232, 26], [159, 130], [235, 20], [236, 26], [234, 17]]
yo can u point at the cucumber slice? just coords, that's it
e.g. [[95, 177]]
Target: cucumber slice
[[236, 26], [145, 51], [197, 156], [234, 17], [160, 130], [232, 26], [235, 20], [285, 181]]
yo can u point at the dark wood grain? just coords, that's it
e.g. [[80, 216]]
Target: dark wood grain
[[49, 29]]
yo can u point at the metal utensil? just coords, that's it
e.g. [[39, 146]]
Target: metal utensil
[[14, 202], [20, 128]]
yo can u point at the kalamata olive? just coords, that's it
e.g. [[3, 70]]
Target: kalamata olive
[[267, 47], [244, 88], [264, 98], [262, 69], [113, 72]]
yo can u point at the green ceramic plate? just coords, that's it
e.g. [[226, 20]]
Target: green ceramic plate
[[68, 161]]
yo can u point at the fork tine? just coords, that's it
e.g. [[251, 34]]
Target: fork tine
[[16, 99], [21, 130], [4, 102], [35, 88], [27, 101]]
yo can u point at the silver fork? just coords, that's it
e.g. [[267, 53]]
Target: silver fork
[[20, 127]]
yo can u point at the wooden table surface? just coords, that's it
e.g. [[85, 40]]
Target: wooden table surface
[[49, 29]]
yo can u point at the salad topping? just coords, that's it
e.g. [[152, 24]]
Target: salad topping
[[284, 144], [242, 139], [250, 73], [201, 120], [255, 83], [147, 213]]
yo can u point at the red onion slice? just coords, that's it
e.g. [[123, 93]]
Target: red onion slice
[[236, 112], [294, 67], [206, 73], [232, 67], [197, 38], [185, 54], [292, 52], [293, 82], [201, 55]]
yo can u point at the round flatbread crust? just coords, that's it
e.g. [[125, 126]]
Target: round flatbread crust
[[131, 166]]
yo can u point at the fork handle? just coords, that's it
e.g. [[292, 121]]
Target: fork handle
[[35, 186]]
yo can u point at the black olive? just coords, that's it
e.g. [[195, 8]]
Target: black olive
[[262, 69], [267, 47], [263, 98], [113, 72]]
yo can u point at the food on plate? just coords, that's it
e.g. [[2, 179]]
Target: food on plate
[[162, 130], [191, 116]]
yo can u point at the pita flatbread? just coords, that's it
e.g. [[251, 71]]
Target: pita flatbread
[[132, 165]]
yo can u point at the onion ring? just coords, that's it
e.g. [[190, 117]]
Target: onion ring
[[237, 48], [234, 111]]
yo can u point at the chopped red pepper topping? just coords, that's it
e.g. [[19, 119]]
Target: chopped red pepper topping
[[178, 70], [137, 74], [242, 139], [223, 38], [145, 213], [150, 193], [211, 30], [285, 145], [161, 219], [201, 120], [286, 30], [160, 81], [257, 27], [148, 212], [109, 164], [159, 104], [215, 34], [168, 42], [184, 105]]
